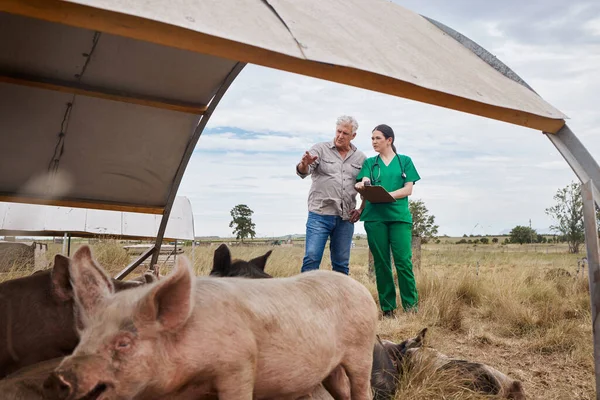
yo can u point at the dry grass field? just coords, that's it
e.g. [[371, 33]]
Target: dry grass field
[[508, 306]]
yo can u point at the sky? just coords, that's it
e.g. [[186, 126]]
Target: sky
[[478, 175]]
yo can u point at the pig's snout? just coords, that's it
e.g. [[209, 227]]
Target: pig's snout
[[56, 386], [63, 386]]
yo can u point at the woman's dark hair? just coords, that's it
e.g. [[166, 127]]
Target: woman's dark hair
[[388, 132]]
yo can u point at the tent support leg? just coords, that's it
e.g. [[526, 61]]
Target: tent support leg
[[593, 256], [64, 244], [128, 269], [188, 154]]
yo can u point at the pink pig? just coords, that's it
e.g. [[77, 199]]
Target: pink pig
[[187, 338]]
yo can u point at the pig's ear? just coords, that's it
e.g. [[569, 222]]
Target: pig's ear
[[222, 259], [61, 279], [261, 261], [170, 301], [419, 339], [90, 283]]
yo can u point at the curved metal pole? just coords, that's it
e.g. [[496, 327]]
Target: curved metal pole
[[588, 191], [182, 166], [578, 157], [188, 154]]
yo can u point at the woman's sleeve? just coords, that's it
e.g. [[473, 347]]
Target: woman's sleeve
[[364, 171], [411, 172]]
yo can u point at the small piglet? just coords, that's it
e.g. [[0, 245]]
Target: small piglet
[[236, 338], [36, 316]]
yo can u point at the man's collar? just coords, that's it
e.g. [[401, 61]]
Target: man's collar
[[332, 145]]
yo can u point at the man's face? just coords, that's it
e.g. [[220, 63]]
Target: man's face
[[343, 136]]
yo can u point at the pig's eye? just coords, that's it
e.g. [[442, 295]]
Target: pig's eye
[[123, 344]]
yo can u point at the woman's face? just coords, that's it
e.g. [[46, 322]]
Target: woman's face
[[379, 142]]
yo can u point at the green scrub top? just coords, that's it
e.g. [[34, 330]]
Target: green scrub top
[[390, 177]]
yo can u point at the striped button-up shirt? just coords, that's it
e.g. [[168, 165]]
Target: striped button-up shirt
[[332, 191]]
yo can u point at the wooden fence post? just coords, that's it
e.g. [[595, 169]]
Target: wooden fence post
[[416, 252], [371, 265]]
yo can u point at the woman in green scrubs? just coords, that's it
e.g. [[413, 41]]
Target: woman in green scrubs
[[389, 225]]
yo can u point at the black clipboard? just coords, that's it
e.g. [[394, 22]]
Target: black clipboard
[[376, 194]]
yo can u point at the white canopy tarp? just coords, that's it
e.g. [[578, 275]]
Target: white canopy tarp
[[375, 44], [39, 220], [101, 99]]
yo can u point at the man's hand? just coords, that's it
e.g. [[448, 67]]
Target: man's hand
[[355, 215], [307, 159]]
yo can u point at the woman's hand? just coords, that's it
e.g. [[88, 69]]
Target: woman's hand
[[361, 185]]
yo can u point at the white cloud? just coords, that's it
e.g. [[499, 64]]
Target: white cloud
[[493, 30], [261, 142], [593, 27]]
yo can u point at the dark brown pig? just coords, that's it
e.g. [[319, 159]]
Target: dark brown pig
[[224, 266], [473, 375], [384, 374], [36, 317], [27, 383], [238, 338]]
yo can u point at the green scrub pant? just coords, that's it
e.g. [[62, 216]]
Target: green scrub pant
[[397, 235]]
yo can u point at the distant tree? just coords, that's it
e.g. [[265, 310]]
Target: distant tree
[[494, 240], [465, 235], [242, 224], [541, 239], [484, 240], [423, 224], [461, 241], [522, 234], [568, 214]]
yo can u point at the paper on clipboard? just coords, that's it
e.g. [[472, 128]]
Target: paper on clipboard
[[377, 194]]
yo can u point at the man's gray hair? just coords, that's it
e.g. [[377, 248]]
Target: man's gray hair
[[346, 119]]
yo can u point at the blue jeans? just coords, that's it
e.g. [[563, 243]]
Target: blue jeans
[[318, 229]]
